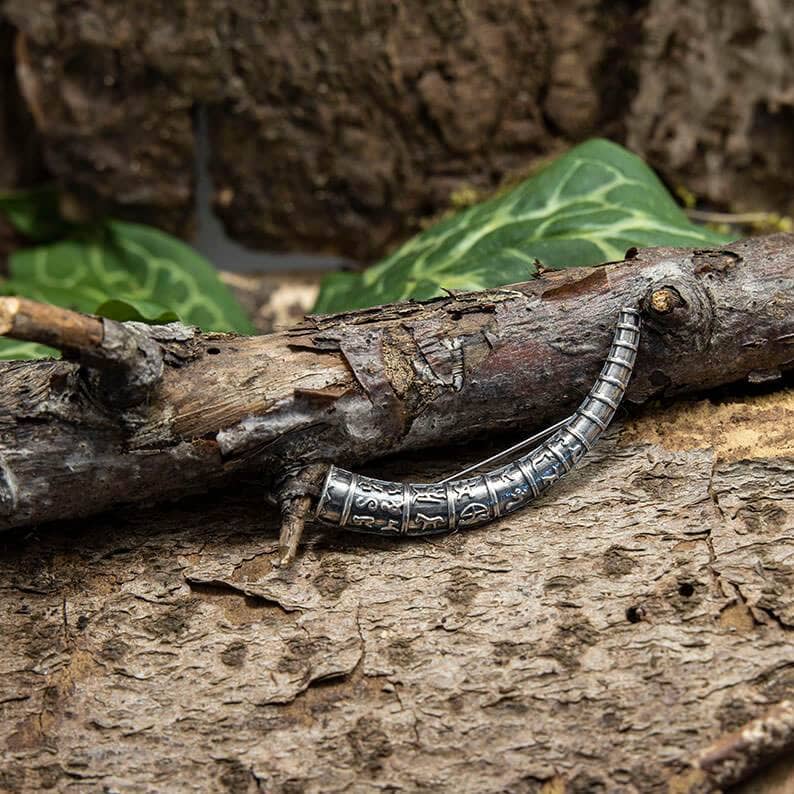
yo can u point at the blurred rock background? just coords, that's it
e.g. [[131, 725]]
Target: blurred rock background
[[340, 126]]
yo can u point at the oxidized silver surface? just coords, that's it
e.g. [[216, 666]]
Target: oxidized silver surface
[[365, 504]]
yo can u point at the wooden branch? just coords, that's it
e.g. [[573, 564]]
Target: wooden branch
[[355, 387], [49, 325]]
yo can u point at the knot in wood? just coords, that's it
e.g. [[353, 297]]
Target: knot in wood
[[664, 300]]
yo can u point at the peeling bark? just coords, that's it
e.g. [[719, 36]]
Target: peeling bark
[[351, 388]]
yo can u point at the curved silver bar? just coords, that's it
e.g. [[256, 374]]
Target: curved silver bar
[[365, 504]]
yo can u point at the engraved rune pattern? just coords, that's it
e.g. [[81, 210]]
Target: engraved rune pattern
[[365, 504]]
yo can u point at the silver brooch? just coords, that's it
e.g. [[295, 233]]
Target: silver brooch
[[365, 504]]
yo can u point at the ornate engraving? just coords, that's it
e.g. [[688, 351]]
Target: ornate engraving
[[429, 494], [474, 513], [433, 523], [363, 521]]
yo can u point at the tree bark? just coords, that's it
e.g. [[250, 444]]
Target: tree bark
[[81, 435], [320, 145], [603, 640]]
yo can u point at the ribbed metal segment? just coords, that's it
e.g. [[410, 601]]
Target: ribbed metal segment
[[365, 504]]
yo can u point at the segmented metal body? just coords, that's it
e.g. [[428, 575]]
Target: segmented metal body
[[365, 504]]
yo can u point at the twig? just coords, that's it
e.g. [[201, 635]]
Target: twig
[[128, 360], [294, 513], [296, 497], [49, 325], [737, 756]]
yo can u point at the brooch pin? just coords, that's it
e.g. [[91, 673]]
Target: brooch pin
[[366, 504]]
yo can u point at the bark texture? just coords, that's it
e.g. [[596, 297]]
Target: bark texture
[[355, 387], [596, 642], [338, 126]]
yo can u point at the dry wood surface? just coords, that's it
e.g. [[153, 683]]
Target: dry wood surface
[[596, 642]]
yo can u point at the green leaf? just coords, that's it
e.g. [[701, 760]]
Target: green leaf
[[338, 289], [139, 310], [11, 350], [172, 274], [588, 207], [131, 270], [35, 213]]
